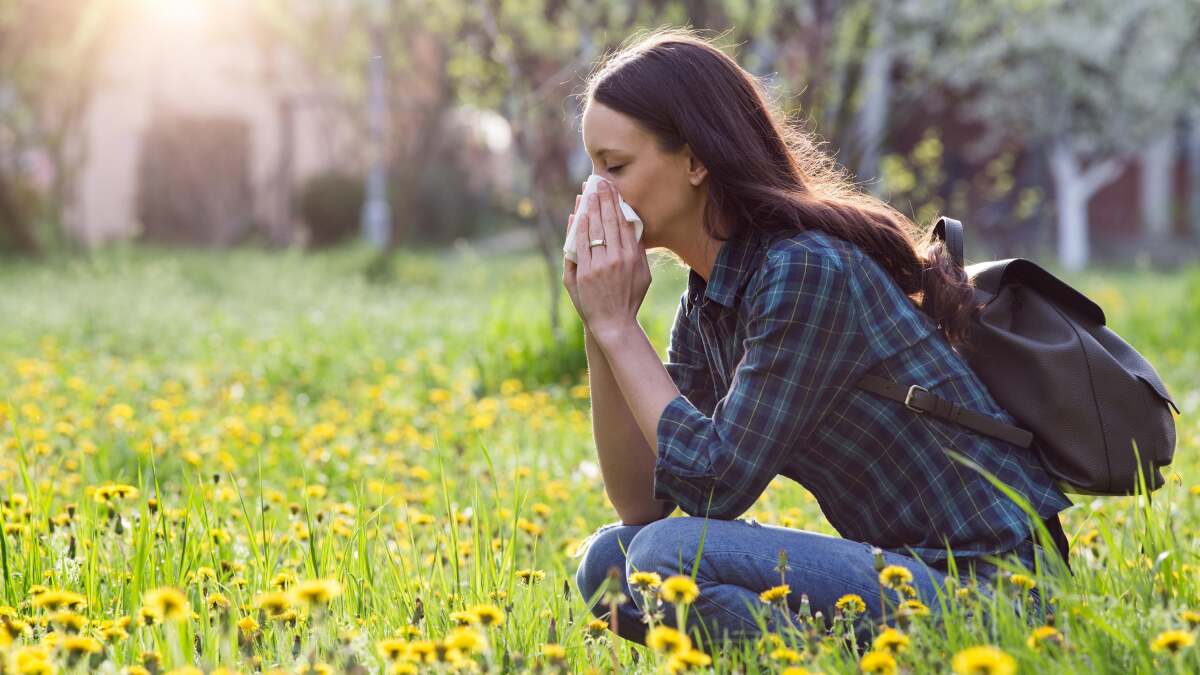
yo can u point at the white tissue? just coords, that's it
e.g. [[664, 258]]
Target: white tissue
[[593, 182]]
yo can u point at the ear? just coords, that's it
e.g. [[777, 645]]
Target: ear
[[696, 171]]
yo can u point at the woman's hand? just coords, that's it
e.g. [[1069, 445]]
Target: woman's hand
[[569, 268], [607, 283]]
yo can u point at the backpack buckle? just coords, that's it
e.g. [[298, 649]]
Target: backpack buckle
[[908, 397]]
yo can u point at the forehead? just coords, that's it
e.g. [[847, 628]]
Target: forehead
[[607, 129]]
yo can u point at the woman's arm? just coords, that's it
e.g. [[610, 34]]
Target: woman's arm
[[803, 350], [626, 459]]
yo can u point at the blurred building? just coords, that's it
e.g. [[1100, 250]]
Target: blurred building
[[201, 128]]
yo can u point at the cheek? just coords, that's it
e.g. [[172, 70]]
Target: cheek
[[638, 192]]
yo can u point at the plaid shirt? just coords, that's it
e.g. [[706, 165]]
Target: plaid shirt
[[766, 355]]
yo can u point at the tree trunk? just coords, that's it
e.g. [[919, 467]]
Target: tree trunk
[[1193, 163], [873, 118], [1157, 161], [1073, 189]]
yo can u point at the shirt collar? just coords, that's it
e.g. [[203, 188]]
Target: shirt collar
[[731, 269]]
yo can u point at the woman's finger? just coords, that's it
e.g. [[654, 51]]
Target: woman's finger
[[595, 230], [583, 256], [608, 219], [623, 233]]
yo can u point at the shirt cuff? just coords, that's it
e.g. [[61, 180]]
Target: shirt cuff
[[682, 472]]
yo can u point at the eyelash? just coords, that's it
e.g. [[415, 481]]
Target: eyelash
[[615, 169]]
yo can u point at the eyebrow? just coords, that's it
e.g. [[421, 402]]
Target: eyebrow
[[600, 153]]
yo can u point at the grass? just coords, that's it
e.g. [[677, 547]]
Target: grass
[[335, 463]]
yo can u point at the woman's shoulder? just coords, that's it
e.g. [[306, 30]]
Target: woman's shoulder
[[806, 256], [887, 315], [811, 246]]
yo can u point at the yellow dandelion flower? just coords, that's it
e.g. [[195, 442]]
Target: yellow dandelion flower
[[893, 576], [529, 526], [113, 633], [392, 649], [1089, 538], [167, 604], [796, 670], [467, 640], [33, 659], [878, 662], [217, 601], [686, 660], [983, 660], [529, 576], [554, 652], [316, 592], [1192, 618], [1021, 581], [775, 594], [1172, 641], [247, 626], [679, 589], [644, 580], [146, 617], [786, 654], [1042, 634], [596, 627], [82, 644], [666, 639], [107, 494], [274, 603], [488, 615], [424, 651], [69, 621], [283, 580], [851, 603], [891, 640], [53, 600], [462, 618], [910, 608], [12, 629]]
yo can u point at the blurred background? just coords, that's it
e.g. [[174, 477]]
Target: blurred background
[[1058, 130]]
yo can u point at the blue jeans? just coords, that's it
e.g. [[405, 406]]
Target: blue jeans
[[739, 560]]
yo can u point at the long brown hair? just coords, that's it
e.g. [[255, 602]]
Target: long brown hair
[[764, 173]]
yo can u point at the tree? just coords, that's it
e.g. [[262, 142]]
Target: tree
[[1089, 84], [50, 57]]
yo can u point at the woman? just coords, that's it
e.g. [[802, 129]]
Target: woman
[[798, 285]]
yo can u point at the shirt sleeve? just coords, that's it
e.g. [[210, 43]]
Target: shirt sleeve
[[687, 364], [803, 349], [688, 367]]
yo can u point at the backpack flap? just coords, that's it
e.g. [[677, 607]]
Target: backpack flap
[[1044, 353], [992, 275]]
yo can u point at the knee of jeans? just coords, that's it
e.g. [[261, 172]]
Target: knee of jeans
[[657, 548], [601, 552]]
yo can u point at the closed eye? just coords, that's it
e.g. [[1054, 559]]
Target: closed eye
[[615, 169]]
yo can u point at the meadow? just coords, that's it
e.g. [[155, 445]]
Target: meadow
[[240, 462]]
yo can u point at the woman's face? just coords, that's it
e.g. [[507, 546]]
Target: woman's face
[[661, 187]]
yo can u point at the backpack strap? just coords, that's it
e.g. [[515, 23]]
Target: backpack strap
[[950, 231], [919, 400]]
